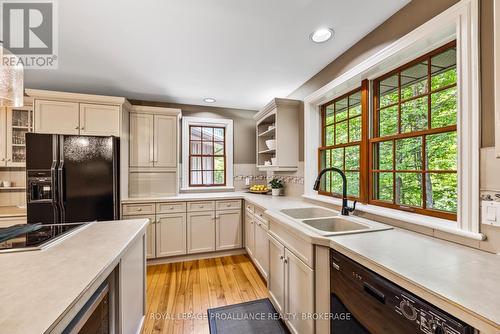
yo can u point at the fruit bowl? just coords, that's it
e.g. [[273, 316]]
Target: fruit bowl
[[259, 189]]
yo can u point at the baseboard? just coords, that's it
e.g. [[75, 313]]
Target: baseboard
[[199, 256]]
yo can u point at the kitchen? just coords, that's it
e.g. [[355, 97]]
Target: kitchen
[[344, 181]]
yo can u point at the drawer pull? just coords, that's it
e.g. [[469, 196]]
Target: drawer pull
[[139, 209], [171, 208], [228, 205], [200, 206]]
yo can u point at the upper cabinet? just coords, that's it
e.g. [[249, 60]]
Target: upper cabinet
[[14, 124], [277, 132], [78, 114], [153, 151], [153, 137]]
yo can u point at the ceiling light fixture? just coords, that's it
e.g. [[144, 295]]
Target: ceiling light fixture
[[209, 100], [321, 35]]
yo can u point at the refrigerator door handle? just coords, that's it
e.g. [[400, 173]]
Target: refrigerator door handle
[[60, 180], [55, 202]]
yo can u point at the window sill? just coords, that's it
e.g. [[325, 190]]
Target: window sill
[[206, 189], [448, 226]]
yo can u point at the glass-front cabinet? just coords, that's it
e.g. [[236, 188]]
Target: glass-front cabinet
[[18, 122]]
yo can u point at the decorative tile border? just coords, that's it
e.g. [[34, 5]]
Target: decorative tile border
[[286, 178], [490, 196]]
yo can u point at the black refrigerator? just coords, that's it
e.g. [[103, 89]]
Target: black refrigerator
[[72, 179]]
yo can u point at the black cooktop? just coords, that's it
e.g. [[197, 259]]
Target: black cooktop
[[33, 236]]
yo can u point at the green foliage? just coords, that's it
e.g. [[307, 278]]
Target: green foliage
[[276, 183]]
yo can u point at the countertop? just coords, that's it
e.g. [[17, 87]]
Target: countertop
[[12, 211], [442, 272], [38, 287]]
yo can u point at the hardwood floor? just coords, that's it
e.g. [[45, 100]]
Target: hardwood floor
[[179, 294]]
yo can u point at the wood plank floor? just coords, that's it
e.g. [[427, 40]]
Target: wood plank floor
[[179, 294]]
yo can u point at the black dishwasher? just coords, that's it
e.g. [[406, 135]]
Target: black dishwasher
[[364, 302]]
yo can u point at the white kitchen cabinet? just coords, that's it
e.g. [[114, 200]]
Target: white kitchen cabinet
[[299, 296], [99, 120], [201, 231], [261, 252], [141, 140], [276, 278], [228, 229], [249, 234], [3, 137], [150, 234], [171, 235], [165, 141], [57, 117]]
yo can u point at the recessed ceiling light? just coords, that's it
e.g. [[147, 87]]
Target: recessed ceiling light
[[321, 35], [209, 100]]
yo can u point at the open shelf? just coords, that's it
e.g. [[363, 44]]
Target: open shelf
[[268, 133], [268, 151]]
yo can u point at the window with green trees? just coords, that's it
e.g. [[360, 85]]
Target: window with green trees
[[414, 144], [342, 125]]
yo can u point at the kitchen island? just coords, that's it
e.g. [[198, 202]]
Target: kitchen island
[[43, 291]]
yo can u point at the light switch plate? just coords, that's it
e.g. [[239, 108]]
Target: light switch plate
[[490, 213]]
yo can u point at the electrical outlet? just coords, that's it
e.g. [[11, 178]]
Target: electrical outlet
[[247, 181], [490, 213]]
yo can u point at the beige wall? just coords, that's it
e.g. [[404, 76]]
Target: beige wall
[[243, 125]]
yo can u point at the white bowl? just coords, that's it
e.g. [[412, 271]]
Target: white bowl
[[271, 144]]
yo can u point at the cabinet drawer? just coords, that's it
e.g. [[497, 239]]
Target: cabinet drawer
[[176, 207], [259, 213], [228, 205], [201, 206], [138, 209], [249, 207]]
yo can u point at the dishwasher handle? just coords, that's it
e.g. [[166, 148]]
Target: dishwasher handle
[[378, 295]]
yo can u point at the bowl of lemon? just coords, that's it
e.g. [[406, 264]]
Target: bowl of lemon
[[259, 189]]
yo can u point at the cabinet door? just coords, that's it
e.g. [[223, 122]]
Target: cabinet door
[[57, 117], [19, 122], [165, 141], [141, 140], [99, 120], [171, 235], [3, 137], [228, 229], [276, 278], [299, 293], [201, 232], [261, 249], [249, 234], [150, 234]]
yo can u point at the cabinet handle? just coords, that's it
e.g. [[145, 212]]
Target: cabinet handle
[[139, 209], [83, 128], [3, 159], [282, 257], [77, 128], [285, 260], [171, 208]]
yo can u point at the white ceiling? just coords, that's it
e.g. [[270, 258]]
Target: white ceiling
[[243, 53]]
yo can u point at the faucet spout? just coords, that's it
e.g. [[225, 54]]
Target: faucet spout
[[345, 207]]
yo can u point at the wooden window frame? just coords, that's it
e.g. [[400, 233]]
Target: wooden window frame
[[202, 155], [421, 133], [362, 143]]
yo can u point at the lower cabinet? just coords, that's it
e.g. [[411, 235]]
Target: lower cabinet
[[276, 279], [150, 234], [200, 232], [228, 229], [249, 234], [291, 286], [171, 235], [261, 252]]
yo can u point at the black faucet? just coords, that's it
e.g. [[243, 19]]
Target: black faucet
[[345, 207]]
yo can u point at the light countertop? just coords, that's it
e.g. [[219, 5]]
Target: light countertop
[[37, 288], [442, 272], [12, 211]]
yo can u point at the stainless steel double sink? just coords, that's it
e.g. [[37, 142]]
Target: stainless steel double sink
[[328, 222]]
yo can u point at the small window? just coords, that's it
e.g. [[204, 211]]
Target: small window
[[342, 146], [207, 153], [207, 157], [414, 147]]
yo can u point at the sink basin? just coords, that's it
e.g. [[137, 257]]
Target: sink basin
[[335, 225], [309, 212]]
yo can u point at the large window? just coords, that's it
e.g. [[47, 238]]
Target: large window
[[410, 161], [343, 121], [414, 144]]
